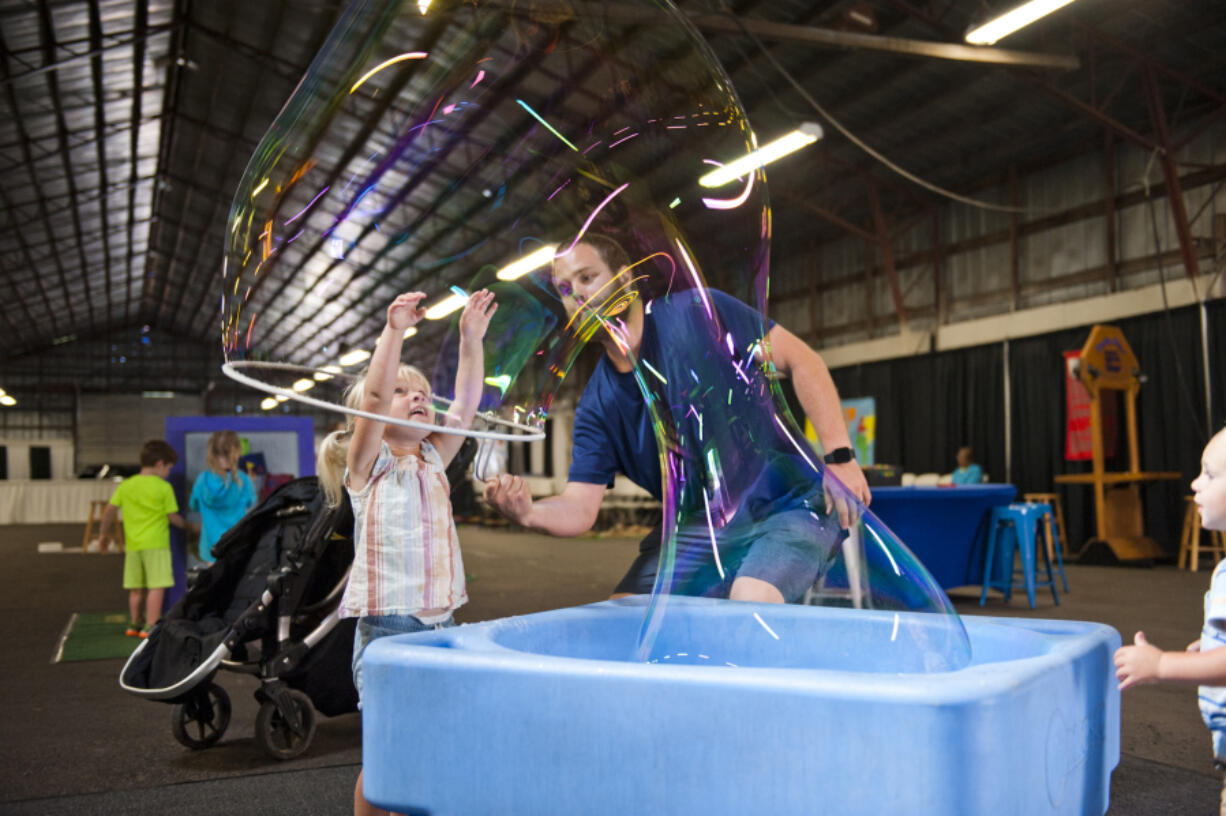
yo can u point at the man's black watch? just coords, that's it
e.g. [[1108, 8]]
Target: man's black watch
[[839, 456]]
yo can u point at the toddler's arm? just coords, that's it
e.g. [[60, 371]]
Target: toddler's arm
[[1145, 663], [104, 527], [470, 372], [183, 524], [404, 312]]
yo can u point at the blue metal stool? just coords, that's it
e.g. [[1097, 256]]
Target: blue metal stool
[[1020, 523], [1055, 545]]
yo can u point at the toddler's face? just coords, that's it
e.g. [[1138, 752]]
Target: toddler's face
[[1210, 485], [412, 400]]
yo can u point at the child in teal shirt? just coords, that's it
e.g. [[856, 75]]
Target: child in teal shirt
[[222, 493]]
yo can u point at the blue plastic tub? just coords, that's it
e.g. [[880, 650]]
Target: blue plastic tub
[[547, 714]]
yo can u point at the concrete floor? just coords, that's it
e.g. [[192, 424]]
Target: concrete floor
[[67, 729]]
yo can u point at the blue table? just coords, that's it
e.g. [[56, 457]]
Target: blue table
[[944, 526]]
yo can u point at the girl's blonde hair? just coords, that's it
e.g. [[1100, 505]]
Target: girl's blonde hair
[[357, 391], [221, 445], [333, 454], [330, 465]]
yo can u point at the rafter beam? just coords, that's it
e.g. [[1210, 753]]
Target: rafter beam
[[830, 38]]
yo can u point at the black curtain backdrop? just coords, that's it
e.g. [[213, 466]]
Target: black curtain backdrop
[[929, 405]]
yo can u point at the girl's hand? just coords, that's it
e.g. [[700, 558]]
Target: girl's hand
[[406, 310], [475, 319]]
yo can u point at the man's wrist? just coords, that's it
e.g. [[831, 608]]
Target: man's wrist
[[840, 456]]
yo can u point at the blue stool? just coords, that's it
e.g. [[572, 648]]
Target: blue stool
[[1055, 545], [1020, 524]]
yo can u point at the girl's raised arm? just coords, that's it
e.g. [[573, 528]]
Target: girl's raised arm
[[380, 385], [470, 372]]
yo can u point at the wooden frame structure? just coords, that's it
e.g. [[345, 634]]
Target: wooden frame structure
[[1108, 364]]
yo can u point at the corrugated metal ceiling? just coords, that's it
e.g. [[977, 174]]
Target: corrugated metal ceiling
[[126, 127]]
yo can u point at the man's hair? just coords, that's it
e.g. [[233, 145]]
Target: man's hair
[[157, 450], [611, 252]]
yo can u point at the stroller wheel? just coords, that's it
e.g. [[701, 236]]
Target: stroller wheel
[[277, 735], [202, 719]]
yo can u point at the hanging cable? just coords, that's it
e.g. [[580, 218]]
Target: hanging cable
[[1168, 322], [860, 143]]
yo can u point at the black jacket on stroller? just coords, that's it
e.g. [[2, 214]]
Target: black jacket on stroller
[[266, 607]]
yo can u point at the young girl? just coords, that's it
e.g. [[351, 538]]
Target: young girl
[[407, 574], [1203, 662], [222, 493]]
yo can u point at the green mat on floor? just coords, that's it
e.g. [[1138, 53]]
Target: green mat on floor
[[95, 636]]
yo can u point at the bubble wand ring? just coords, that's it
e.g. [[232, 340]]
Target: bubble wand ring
[[231, 370]]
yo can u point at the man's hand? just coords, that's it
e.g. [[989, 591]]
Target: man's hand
[[406, 310], [839, 494], [475, 319], [1137, 664], [510, 496]]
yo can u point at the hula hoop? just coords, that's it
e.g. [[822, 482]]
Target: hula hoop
[[231, 370]]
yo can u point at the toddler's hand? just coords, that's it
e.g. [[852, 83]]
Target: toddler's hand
[[475, 319], [406, 310], [1137, 664]]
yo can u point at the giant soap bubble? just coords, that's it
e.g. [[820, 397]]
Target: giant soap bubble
[[450, 146]]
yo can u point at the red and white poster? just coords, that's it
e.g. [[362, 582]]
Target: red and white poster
[[1078, 441]]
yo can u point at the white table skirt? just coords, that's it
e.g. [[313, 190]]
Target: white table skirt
[[50, 502]]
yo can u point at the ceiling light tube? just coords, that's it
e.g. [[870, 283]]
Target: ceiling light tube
[[528, 263], [8, 401], [303, 385], [268, 403], [409, 332], [353, 357], [806, 134], [1012, 20], [446, 306]]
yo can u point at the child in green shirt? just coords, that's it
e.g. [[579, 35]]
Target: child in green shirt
[[149, 508]]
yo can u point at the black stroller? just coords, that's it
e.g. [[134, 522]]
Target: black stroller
[[267, 607]]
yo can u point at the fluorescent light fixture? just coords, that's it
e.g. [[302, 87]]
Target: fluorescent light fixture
[[526, 264], [806, 134], [409, 332], [446, 306], [303, 385], [321, 376], [268, 403], [354, 356], [2, 392], [331, 369], [7, 400], [280, 397], [1010, 21]]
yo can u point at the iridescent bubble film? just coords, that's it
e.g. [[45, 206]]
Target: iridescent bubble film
[[447, 147]]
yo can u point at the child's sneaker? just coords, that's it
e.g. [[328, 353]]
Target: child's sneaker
[[133, 630], [144, 633]]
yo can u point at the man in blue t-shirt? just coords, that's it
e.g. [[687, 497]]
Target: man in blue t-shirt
[[751, 522]]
